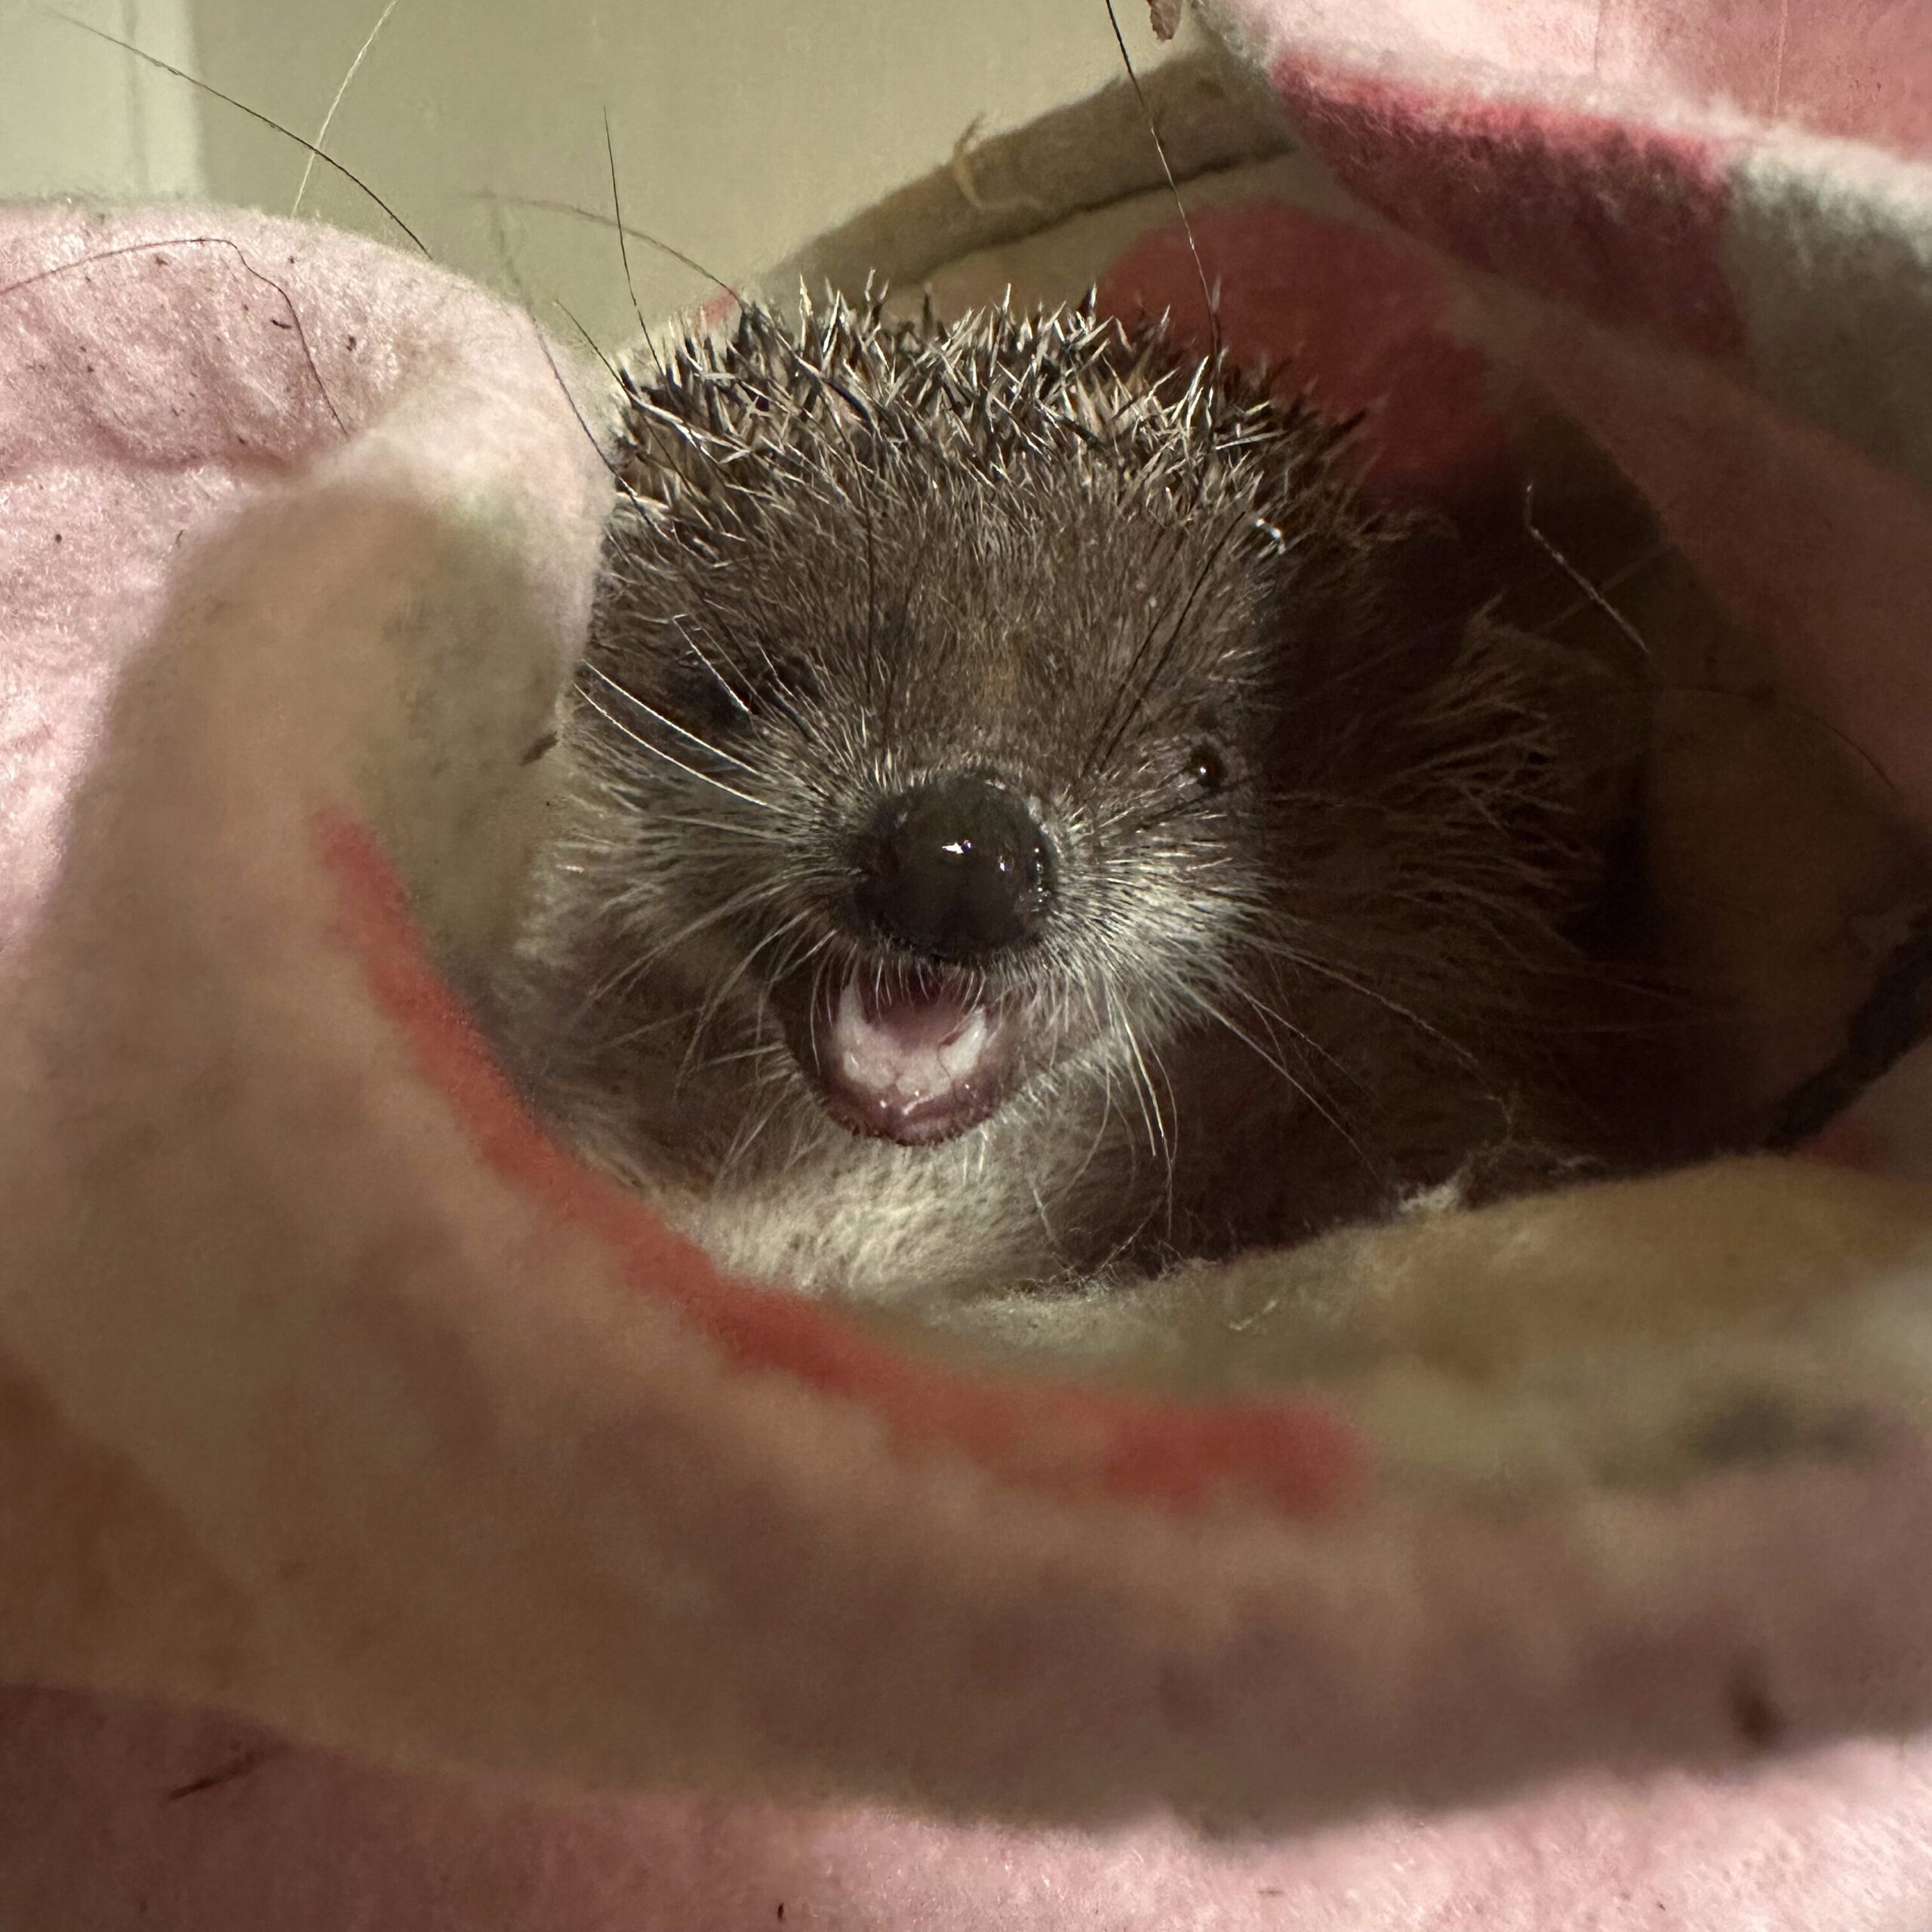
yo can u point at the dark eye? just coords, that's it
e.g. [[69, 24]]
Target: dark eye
[[728, 690], [1207, 768], [702, 692], [763, 680]]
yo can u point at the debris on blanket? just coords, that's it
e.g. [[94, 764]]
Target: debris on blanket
[[338, 1394]]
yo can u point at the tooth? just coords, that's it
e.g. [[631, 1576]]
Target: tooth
[[850, 1017], [855, 1036], [962, 1053]]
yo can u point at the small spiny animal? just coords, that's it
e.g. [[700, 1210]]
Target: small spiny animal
[[1020, 818]]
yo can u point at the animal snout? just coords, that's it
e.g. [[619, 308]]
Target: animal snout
[[957, 869]]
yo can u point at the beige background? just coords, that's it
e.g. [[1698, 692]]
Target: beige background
[[77, 115], [739, 126]]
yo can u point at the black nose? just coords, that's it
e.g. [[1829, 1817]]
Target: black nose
[[956, 869]]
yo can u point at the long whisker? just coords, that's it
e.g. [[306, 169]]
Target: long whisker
[[1167, 1148], [743, 1142], [1100, 1130], [328, 119], [1301, 1087], [764, 892], [658, 751], [624, 246], [715, 1001], [1272, 1018], [753, 834], [241, 107], [703, 744], [1173, 187], [618, 980], [541, 206], [1311, 963]]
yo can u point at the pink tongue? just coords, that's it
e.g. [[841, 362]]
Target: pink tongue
[[916, 1018], [907, 1046]]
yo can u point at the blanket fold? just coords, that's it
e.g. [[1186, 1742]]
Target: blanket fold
[[335, 1399]]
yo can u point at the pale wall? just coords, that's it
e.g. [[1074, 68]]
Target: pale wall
[[77, 115], [740, 126]]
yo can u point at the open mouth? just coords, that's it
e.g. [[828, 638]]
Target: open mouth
[[911, 1056]]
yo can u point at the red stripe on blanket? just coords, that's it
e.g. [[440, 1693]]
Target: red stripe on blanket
[[1054, 1437], [1624, 222], [1337, 312]]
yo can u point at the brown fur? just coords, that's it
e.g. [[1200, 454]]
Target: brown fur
[[1328, 838]]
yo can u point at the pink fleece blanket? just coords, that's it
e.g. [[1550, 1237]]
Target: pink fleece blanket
[[1589, 1592]]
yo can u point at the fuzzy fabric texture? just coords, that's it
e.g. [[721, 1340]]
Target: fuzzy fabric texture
[[1560, 1565]]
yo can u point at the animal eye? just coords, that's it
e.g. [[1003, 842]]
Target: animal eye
[[1207, 768], [765, 680], [700, 689], [729, 691]]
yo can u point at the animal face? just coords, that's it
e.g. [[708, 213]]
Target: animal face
[[993, 734], [927, 697]]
